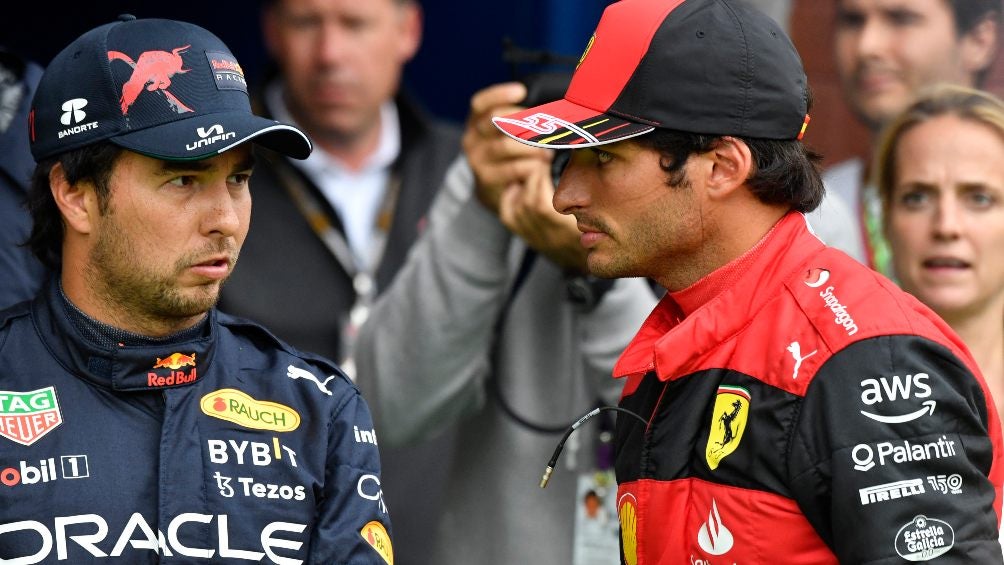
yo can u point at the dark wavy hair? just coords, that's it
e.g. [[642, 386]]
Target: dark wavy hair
[[784, 171], [968, 14], [92, 164]]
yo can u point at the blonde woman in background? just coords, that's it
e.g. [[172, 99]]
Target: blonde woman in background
[[940, 173]]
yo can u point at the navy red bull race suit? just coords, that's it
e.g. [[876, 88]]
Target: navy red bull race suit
[[802, 409], [229, 448]]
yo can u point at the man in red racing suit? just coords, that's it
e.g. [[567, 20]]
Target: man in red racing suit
[[793, 406], [808, 411]]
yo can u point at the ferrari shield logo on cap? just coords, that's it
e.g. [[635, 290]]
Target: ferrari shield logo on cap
[[727, 424], [589, 46]]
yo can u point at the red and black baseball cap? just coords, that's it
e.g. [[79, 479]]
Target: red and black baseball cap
[[715, 67], [163, 88]]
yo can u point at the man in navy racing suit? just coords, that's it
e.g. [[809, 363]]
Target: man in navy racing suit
[[137, 423]]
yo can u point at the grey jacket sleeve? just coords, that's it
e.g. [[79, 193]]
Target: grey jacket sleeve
[[606, 331], [422, 355]]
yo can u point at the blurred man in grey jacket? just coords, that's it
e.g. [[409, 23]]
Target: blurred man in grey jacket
[[493, 329]]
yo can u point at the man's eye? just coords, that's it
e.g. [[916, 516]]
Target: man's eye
[[303, 22], [904, 18], [850, 20], [182, 181], [239, 178], [603, 157], [356, 23], [980, 199], [914, 199]]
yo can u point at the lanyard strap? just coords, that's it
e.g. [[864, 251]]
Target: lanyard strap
[[322, 224], [363, 277]]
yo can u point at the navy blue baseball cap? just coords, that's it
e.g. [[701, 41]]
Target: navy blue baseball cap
[[163, 88]]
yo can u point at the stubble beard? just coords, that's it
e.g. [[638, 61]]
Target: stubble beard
[[139, 294]]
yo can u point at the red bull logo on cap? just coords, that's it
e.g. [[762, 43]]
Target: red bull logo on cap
[[227, 72], [152, 72], [174, 362]]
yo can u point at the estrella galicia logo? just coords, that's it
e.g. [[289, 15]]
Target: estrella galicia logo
[[152, 72], [728, 423], [923, 539]]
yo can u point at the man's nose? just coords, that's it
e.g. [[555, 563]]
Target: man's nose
[[572, 190], [222, 216], [947, 220]]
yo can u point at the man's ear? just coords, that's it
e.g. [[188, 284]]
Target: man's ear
[[731, 165], [978, 47], [77, 202], [409, 30], [270, 30]]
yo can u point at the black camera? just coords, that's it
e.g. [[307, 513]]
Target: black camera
[[542, 85], [545, 87]]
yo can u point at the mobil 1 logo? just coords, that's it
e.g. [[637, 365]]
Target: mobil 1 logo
[[45, 470]]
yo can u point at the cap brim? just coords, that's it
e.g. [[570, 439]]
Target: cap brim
[[204, 136], [565, 125]]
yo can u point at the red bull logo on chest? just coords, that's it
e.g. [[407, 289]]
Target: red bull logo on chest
[[25, 417], [174, 362]]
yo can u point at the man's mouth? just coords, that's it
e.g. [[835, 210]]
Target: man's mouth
[[945, 263]]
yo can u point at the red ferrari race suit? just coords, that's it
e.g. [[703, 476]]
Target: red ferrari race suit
[[801, 408]]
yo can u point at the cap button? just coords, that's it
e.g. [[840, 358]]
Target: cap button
[[126, 17]]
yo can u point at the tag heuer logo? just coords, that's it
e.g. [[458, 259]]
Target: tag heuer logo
[[27, 416]]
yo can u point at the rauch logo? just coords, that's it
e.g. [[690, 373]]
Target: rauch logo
[[235, 406], [376, 535], [27, 416]]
